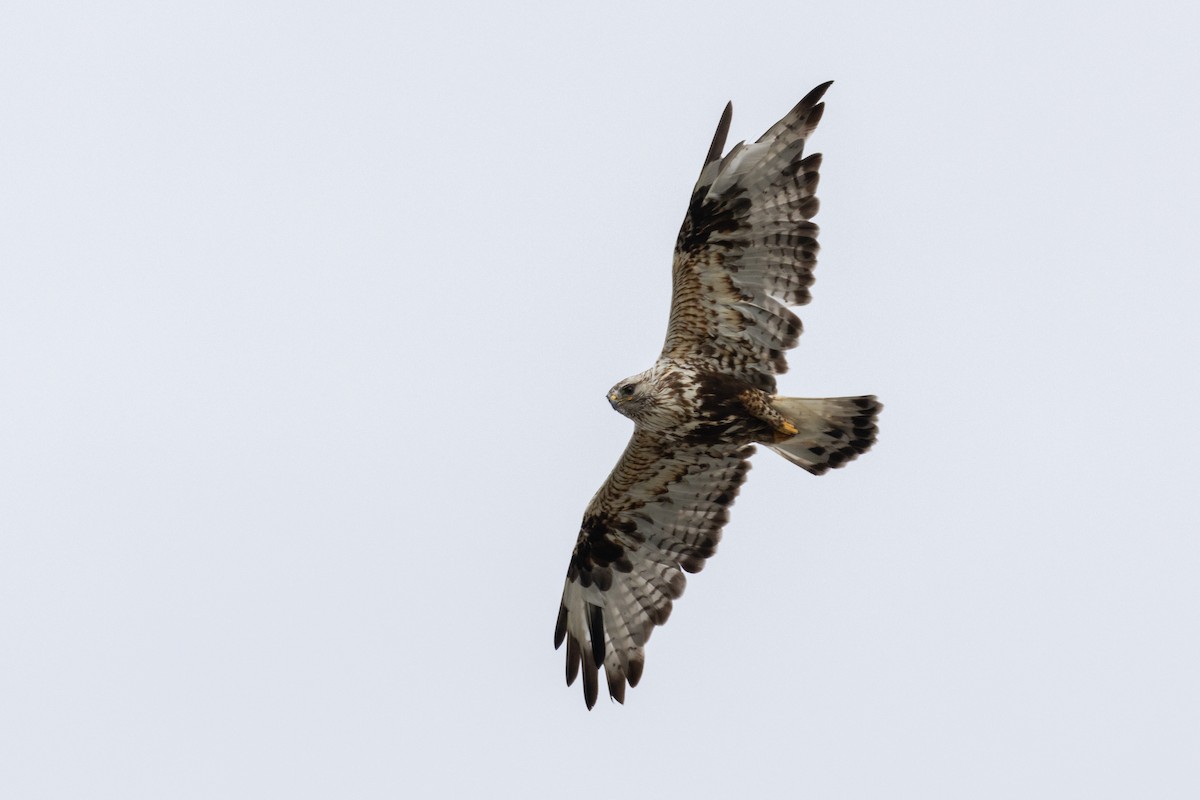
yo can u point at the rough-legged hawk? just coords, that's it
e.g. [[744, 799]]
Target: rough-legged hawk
[[746, 251]]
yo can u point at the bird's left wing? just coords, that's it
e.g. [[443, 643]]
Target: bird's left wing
[[747, 249], [658, 515]]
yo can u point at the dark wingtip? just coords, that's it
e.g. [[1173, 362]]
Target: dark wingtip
[[616, 687], [591, 686], [573, 659], [718, 142], [596, 632], [560, 628], [816, 94], [635, 670], [811, 104]]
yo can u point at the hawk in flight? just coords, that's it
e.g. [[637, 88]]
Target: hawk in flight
[[745, 253]]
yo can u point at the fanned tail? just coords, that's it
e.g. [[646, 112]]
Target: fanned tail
[[831, 431]]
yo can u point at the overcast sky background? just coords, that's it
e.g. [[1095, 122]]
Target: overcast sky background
[[307, 312]]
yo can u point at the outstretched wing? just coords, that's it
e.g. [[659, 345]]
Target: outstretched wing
[[658, 515], [747, 250]]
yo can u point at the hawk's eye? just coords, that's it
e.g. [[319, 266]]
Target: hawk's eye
[[627, 390]]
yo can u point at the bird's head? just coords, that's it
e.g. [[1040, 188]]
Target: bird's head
[[638, 397], [626, 395]]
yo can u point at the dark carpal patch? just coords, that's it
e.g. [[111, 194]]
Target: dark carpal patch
[[713, 215], [596, 554]]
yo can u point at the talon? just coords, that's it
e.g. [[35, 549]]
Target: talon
[[788, 429]]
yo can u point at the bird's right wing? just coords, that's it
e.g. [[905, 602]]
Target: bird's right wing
[[658, 515]]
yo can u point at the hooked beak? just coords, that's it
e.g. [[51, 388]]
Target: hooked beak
[[612, 399]]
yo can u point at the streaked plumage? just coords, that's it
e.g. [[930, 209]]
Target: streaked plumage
[[745, 252]]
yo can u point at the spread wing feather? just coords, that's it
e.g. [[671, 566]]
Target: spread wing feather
[[747, 250], [658, 515]]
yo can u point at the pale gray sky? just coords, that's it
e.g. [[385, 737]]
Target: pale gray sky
[[307, 312]]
